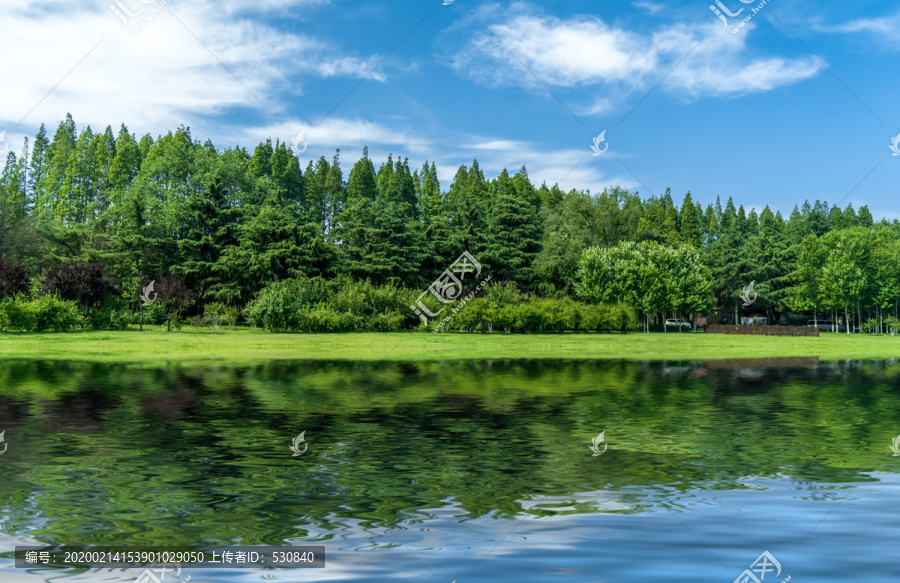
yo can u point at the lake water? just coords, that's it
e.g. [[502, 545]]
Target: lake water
[[461, 471]]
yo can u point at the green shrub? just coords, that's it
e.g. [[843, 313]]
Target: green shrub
[[503, 294], [18, 314], [387, 322], [216, 313], [47, 313], [113, 314], [323, 319], [53, 314], [198, 321], [277, 306], [541, 315], [589, 318], [155, 313], [469, 316]]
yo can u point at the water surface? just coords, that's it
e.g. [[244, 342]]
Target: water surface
[[468, 471]]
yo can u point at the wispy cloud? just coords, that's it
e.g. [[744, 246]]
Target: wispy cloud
[[885, 28], [588, 52], [648, 7], [180, 67]]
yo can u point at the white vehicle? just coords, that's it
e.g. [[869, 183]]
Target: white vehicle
[[677, 322]]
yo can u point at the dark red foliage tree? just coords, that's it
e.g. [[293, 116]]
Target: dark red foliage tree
[[13, 278], [172, 291], [80, 282]]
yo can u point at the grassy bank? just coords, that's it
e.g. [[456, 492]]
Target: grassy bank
[[157, 345]]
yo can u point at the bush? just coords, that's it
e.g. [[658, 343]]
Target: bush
[[503, 294], [47, 313], [215, 314], [18, 314], [277, 306], [339, 305], [388, 322], [113, 314], [155, 313], [541, 315], [324, 319], [892, 323]]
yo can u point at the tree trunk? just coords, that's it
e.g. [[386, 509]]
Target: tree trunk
[[169, 323], [142, 316]]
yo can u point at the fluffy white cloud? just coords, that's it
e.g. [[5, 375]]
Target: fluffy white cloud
[[179, 67], [586, 51]]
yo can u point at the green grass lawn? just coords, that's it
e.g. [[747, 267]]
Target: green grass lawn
[[157, 345]]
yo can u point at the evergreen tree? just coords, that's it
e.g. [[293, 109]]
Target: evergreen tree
[[50, 201], [39, 155], [468, 201], [435, 217], [513, 233], [126, 163], [689, 225]]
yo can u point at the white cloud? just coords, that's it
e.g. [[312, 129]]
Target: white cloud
[[883, 29], [648, 7], [588, 52], [503, 145], [351, 66], [718, 65], [162, 76], [883, 25], [570, 168], [350, 135]]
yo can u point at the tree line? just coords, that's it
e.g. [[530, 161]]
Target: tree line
[[230, 223]]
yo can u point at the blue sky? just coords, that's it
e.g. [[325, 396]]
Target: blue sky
[[799, 103]]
